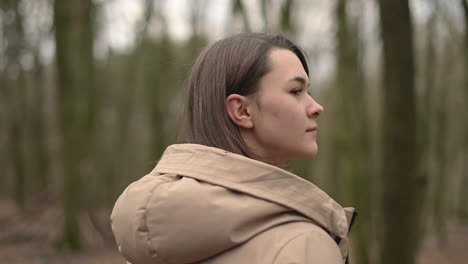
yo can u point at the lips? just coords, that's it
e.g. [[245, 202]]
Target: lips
[[312, 129]]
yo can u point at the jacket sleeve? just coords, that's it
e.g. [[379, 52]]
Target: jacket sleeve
[[314, 246], [128, 221]]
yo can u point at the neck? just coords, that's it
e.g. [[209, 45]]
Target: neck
[[261, 154]]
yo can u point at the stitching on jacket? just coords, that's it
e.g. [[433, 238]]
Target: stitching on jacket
[[292, 239], [153, 251], [284, 245], [236, 183]]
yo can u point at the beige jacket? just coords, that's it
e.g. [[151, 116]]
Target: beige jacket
[[207, 205]]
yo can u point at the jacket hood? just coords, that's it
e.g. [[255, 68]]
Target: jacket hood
[[200, 201]]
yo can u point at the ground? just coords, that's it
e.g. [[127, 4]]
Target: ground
[[28, 236]]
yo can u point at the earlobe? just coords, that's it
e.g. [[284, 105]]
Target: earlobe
[[237, 107]]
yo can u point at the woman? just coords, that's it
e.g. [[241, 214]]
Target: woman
[[224, 197]]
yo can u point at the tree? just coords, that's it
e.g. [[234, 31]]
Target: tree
[[464, 151], [77, 100], [14, 90], [351, 132], [286, 17], [238, 8], [402, 184]]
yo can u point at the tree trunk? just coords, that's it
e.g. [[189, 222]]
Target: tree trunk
[[402, 185], [5, 157], [264, 9], [127, 96], [463, 208], [286, 18], [18, 138], [426, 109], [76, 96], [238, 8], [155, 92], [39, 128], [15, 88], [351, 132]]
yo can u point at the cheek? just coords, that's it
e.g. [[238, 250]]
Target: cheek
[[286, 116], [284, 120]]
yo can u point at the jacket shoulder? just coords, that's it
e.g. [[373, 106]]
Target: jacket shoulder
[[128, 218], [290, 243], [313, 245]]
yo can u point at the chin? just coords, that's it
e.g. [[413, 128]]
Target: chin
[[310, 152]]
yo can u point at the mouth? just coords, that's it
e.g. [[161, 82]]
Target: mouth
[[312, 129]]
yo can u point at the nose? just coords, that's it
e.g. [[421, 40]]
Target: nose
[[314, 109]]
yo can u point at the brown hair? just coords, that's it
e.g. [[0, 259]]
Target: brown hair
[[233, 65]]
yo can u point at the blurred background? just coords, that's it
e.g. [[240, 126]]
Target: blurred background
[[92, 91]]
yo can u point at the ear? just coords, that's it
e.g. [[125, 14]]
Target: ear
[[238, 108]]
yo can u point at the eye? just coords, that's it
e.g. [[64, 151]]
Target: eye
[[296, 91]]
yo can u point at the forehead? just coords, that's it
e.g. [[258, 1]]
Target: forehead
[[284, 65]]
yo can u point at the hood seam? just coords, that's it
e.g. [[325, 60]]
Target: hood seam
[[235, 186]]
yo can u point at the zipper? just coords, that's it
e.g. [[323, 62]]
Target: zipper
[[353, 219]]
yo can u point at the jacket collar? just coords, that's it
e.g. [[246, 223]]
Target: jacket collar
[[242, 174]]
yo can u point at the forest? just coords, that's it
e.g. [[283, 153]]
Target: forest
[[93, 91]]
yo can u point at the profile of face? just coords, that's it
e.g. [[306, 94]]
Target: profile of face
[[279, 121]]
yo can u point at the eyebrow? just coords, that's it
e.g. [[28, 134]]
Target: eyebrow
[[298, 79]]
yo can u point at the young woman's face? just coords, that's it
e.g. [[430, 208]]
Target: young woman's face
[[284, 115]]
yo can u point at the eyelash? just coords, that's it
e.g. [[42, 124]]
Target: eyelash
[[298, 91]]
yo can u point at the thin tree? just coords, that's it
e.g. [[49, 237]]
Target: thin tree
[[287, 25], [77, 103], [402, 185], [464, 147], [264, 9], [14, 86], [351, 130], [127, 97], [238, 8]]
